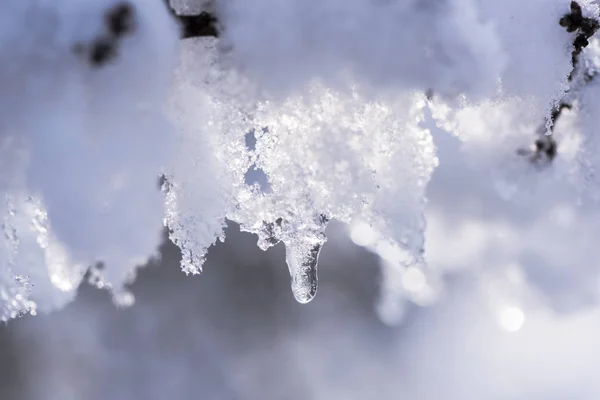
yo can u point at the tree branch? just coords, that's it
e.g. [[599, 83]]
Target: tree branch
[[545, 147], [204, 24]]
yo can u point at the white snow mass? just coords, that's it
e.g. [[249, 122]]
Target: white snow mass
[[112, 128]]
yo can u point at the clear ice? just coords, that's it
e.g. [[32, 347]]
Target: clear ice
[[302, 257]]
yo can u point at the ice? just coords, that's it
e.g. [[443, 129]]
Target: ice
[[302, 256], [300, 139], [352, 157]]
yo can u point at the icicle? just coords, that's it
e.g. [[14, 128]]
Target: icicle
[[302, 256], [303, 235]]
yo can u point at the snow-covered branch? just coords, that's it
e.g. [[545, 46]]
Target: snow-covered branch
[[344, 102]]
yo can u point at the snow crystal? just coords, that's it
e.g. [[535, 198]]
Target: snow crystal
[[209, 157]]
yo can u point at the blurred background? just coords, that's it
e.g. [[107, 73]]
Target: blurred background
[[235, 332]]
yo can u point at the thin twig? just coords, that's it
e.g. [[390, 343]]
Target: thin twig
[[204, 24]]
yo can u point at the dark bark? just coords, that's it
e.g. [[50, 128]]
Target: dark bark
[[545, 147], [204, 24]]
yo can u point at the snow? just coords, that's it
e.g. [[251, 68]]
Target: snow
[[84, 144], [354, 107], [407, 123], [385, 47]]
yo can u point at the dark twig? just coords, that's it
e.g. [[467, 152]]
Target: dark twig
[[584, 27], [545, 147], [119, 22], [204, 24]]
